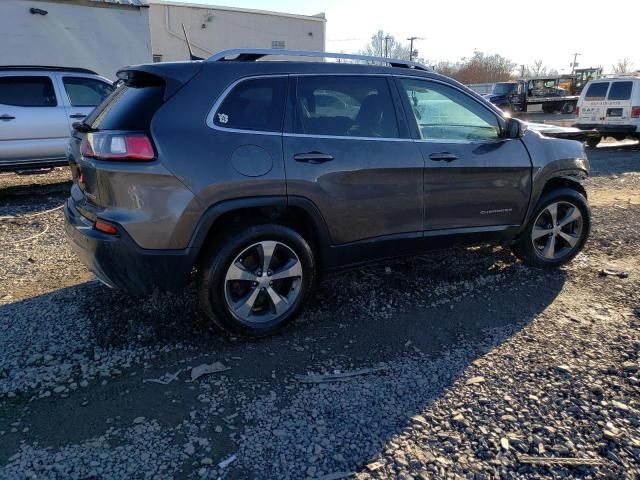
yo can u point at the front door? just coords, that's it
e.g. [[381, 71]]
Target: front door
[[475, 179], [350, 156]]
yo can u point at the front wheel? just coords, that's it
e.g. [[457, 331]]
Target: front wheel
[[592, 142], [558, 229], [256, 280]]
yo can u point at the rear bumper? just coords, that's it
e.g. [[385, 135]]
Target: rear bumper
[[120, 263], [610, 129]]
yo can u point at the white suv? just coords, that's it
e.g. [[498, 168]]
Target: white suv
[[612, 107], [38, 106]]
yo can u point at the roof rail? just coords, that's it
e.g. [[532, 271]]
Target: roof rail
[[251, 55], [45, 68]]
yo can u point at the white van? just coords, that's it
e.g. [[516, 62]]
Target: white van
[[612, 107]]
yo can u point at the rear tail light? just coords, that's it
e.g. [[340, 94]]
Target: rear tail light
[[105, 227], [577, 111], [635, 112], [117, 146]]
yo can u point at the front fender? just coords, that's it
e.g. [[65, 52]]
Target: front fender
[[553, 160]]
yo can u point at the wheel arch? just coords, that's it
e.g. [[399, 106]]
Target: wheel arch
[[297, 213]]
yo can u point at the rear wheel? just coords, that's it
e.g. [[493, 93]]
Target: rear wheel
[[255, 281], [592, 142], [557, 231], [568, 107]]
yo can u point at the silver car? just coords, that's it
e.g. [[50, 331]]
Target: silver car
[[38, 106]]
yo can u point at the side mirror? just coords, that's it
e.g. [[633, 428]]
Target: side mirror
[[514, 128]]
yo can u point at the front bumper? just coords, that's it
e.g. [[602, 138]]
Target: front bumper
[[120, 263]]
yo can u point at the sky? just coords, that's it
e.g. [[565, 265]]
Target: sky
[[523, 31]]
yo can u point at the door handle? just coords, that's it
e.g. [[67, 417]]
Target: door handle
[[6, 117], [312, 157], [77, 115], [443, 156]]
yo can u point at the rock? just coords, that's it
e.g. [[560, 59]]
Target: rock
[[508, 418], [620, 406], [59, 389], [504, 442], [138, 420], [630, 367], [189, 449], [564, 369], [372, 467], [475, 380], [311, 471]]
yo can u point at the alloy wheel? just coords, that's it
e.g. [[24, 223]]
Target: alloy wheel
[[262, 282], [557, 230]]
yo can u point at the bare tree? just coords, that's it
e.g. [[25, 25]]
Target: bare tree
[[383, 43], [623, 66], [537, 69]]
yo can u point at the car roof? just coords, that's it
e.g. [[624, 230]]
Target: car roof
[[44, 68]]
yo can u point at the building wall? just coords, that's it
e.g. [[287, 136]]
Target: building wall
[[211, 29], [83, 34]]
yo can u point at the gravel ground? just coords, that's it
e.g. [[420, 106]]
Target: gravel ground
[[464, 363]]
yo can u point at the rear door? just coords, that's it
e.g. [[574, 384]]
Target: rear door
[[475, 180], [349, 153], [617, 108], [82, 94], [33, 124], [593, 107]]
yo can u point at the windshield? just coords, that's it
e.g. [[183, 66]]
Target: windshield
[[503, 88]]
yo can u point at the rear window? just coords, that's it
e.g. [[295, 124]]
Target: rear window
[[27, 91], [127, 108], [597, 91], [620, 91], [256, 104]]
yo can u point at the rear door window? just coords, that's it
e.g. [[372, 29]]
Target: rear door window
[[597, 91], [256, 104], [620, 91], [345, 106], [86, 92], [27, 91]]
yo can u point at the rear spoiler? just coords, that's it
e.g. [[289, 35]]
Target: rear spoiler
[[172, 75]]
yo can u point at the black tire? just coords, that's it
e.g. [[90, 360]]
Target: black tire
[[212, 271], [524, 247], [592, 142], [548, 108], [568, 107]]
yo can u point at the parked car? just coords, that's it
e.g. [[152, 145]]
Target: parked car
[[240, 170], [38, 106], [612, 107]]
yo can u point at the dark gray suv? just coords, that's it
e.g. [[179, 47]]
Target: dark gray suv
[[260, 175]]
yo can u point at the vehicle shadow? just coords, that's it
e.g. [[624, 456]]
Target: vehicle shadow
[[433, 314]]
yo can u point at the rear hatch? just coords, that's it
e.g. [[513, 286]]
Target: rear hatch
[[607, 103], [117, 134]]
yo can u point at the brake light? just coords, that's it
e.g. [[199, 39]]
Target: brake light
[[577, 111], [635, 112], [117, 146], [105, 227]]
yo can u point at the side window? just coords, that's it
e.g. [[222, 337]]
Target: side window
[[445, 113], [86, 92], [345, 106], [255, 104], [27, 91]]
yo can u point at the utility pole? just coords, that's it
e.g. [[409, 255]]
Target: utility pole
[[386, 45], [575, 63], [411, 40], [522, 71]]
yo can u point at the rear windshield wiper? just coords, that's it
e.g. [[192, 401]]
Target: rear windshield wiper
[[83, 127]]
